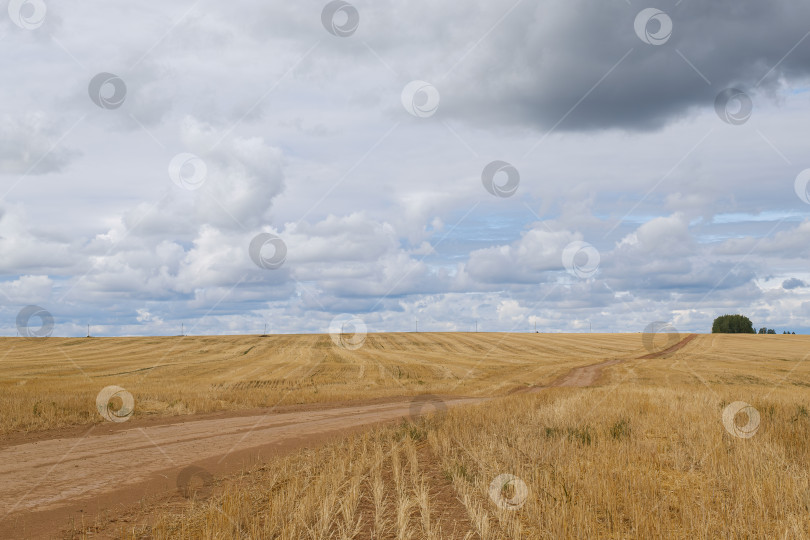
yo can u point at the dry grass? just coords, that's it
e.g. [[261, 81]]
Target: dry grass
[[371, 486], [53, 382], [643, 455]]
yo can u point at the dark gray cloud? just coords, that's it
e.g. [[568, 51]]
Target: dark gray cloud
[[535, 66]]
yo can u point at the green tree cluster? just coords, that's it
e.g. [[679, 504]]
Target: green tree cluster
[[733, 324]]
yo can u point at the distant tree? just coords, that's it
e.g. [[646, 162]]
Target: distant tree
[[771, 331], [794, 332], [732, 324], [763, 330]]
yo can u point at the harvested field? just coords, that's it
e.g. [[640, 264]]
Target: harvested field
[[617, 445], [53, 383]]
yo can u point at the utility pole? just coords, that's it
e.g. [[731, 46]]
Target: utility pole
[[535, 326], [417, 325], [265, 329], [182, 329]]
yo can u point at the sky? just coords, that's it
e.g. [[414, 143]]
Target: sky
[[566, 165]]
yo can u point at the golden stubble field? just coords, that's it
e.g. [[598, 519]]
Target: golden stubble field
[[643, 453], [54, 382]]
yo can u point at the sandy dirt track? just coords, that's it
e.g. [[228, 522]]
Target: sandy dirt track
[[666, 352], [583, 376], [588, 375], [46, 482]]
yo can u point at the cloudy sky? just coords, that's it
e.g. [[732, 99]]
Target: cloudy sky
[[566, 163]]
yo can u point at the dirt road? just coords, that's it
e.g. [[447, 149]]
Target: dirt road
[[666, 352], [583, 376], [45, 483], [588, 375]]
